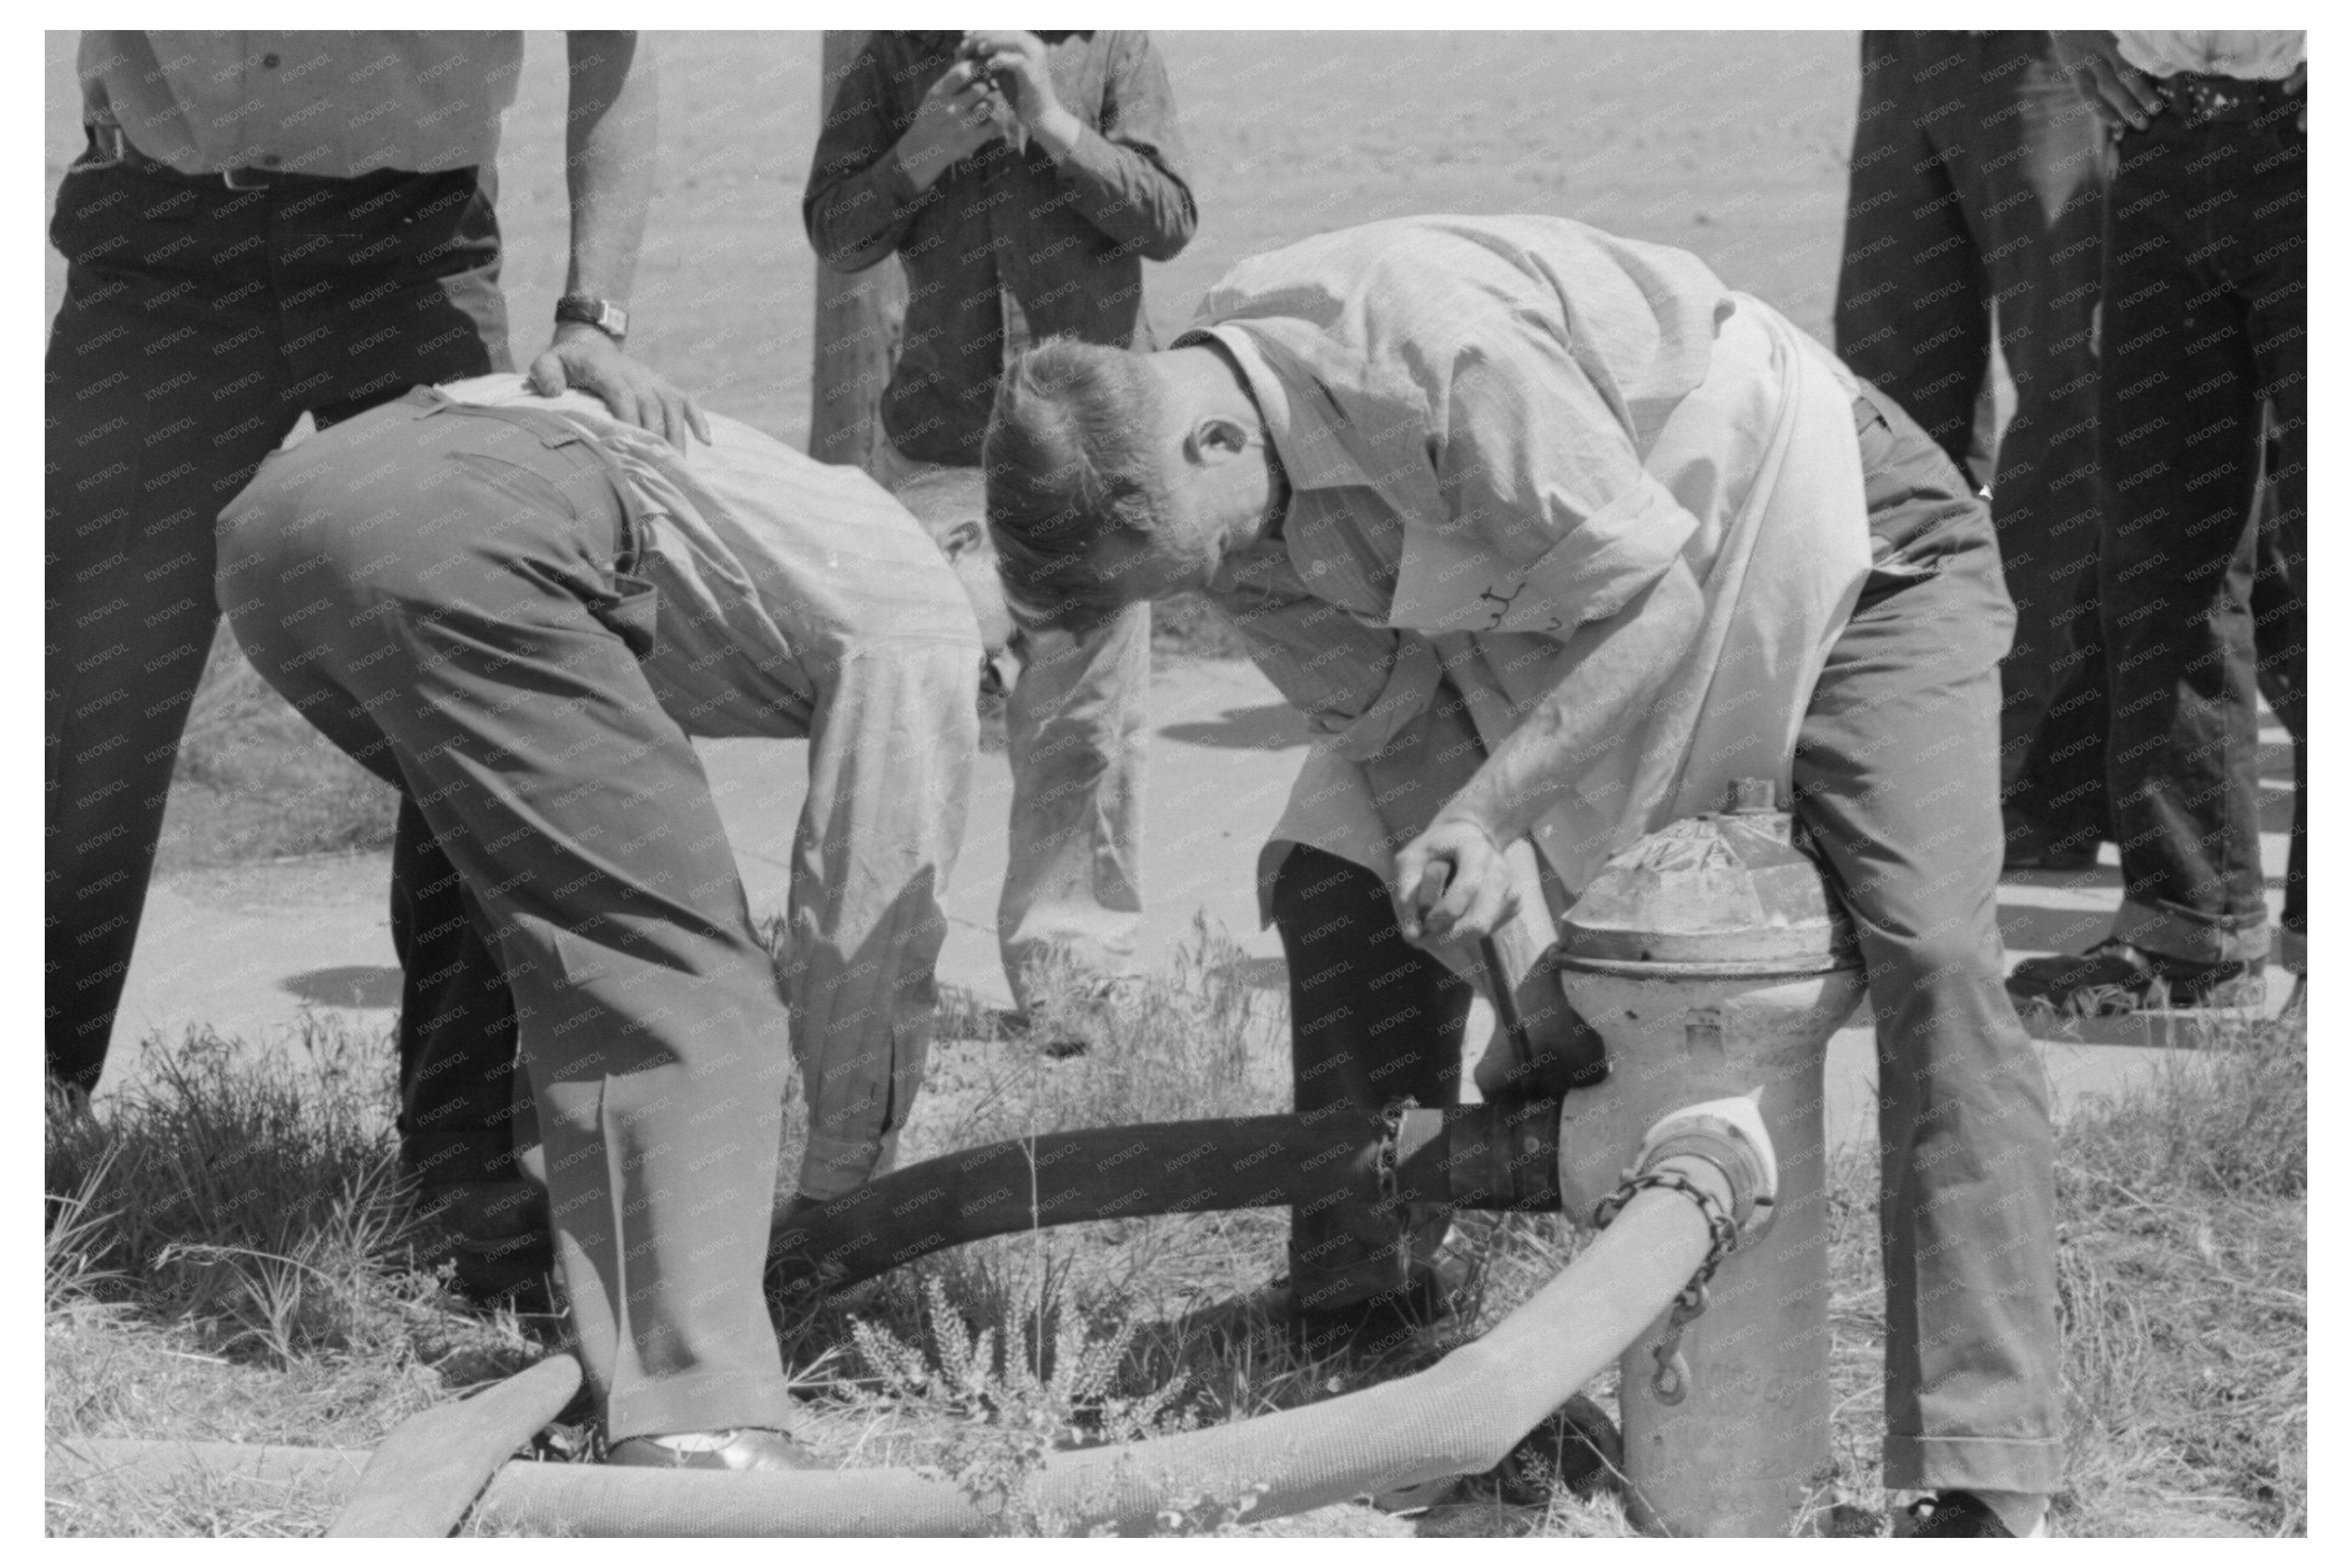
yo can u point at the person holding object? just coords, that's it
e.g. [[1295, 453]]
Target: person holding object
[[1022, 179], [265, 224], [2204, 327], [1553, 536], [519, 609]]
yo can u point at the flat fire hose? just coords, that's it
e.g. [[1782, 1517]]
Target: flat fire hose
[[423, 1477]]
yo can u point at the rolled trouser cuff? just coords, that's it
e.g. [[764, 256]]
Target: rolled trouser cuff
[[714, 1401], [2192, 940], [831, 1167], [2036, 1464], [2291, 954]]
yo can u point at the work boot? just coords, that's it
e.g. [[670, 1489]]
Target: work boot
[[1369, 1329], [1957, 1514], [2115, 979], [499, 1238], [737, 1448]]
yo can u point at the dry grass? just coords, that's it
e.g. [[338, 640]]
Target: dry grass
[[233, 1258], [239, 1262]]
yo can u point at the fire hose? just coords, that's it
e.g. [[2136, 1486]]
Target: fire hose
[[1705, 1174], [1478, 1157]]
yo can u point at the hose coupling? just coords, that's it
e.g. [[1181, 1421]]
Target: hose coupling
[[1729, 1134]]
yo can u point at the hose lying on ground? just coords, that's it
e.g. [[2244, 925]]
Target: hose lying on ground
[[1458, 1418], [1494, 1156]]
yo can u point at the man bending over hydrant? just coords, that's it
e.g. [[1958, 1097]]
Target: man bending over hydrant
[[520, 608], [1553, 535]]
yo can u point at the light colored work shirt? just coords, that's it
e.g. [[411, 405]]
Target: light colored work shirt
[[797, 599], [2248, 55], [1498, 433], [336, 104]]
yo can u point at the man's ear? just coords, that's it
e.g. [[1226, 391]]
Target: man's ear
[[965, 537], [1216, 438]]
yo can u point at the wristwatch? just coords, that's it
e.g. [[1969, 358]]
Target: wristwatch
[[602, 313]]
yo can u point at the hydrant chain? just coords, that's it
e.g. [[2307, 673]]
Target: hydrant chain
[[1671, 1382]]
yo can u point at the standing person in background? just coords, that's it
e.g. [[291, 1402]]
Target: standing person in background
[[2205, 319], [266, 224], [1022, 179], [1974, 198]]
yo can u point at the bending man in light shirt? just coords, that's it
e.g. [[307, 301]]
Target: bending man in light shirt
[[520, 609], [1553, 536]]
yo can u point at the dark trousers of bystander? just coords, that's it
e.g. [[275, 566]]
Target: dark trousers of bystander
[[1975, 189], [2205, 321], [199, 323]]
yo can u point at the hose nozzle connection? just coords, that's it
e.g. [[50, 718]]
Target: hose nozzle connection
[[1729, 1134]]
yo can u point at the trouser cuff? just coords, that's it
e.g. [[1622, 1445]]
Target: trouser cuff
[[2036, 1464], [2174, 934], [2290, 950], [831, 1166], [710, 1401]]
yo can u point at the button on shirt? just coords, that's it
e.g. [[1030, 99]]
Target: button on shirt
[[1066, 242], [334, 104], [2247, 56]]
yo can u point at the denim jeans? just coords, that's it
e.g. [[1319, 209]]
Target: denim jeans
[[2204, 326], [1076, 724], [199, 323], [1975, 185]]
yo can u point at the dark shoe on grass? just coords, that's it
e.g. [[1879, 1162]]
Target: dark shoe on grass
[[1956, 1514], [498, 1240], [2115, 979], [1366, 1330], [741, 1449]]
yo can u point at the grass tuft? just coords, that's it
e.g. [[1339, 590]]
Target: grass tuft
[[230, 1255]]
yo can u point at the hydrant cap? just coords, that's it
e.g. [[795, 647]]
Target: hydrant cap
[[1728, 893]]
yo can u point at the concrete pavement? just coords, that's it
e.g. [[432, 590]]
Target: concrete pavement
[[246, 950]]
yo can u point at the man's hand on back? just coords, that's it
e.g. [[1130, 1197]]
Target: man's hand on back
[[2118, 91], [583, 357]]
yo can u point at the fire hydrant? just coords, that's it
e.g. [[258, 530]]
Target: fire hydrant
[[1713, 958]]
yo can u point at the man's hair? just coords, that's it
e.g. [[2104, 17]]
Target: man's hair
[[1072, 474]]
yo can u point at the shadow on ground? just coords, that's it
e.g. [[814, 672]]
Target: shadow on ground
[[346, 986]]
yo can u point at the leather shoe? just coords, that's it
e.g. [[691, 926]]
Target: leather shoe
[[2115, 979], [737, 1448]]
